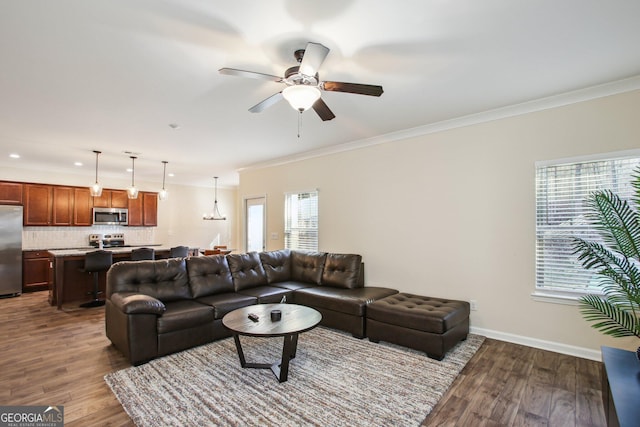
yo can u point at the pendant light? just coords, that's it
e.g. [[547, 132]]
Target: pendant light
[[96, 189], [163, 194], [132, 191], [215, 215]]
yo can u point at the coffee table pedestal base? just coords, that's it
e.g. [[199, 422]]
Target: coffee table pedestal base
[[281, 369]]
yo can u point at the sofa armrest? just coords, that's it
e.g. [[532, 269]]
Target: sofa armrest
[[132, 303]]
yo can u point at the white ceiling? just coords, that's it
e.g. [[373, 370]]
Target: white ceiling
[[111, 75]]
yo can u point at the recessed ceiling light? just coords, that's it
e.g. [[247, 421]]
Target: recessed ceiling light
[[129, 170], [171, 174], [77, 163], [14, 156]]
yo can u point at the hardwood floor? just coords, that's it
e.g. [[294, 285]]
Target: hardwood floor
[[507, 384], [51, 357]]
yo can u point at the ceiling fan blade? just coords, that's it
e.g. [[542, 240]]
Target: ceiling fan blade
[[259, 107], [372, 90], [250, 74], [314, 55], [323, 110]]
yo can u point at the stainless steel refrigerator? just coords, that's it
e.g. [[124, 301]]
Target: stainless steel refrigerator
[[10, 250]]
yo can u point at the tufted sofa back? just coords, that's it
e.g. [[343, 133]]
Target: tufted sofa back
[[343, 271], [277, 265], [179, 278], [307, 266], [165, 280], [209, 275], [246, 270]]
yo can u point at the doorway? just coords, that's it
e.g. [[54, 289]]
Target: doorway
[[255, 212]]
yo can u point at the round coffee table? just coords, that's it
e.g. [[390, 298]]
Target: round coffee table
[[295, 320]]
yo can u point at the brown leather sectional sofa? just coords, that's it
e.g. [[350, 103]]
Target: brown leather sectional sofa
[[155, 308]]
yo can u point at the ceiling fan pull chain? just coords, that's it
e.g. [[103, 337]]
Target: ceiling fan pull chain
[[299, 123]]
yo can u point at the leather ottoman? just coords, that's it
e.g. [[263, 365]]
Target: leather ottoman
[[432, 325]]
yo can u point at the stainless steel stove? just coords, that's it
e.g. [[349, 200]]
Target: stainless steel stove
[[115, 240]]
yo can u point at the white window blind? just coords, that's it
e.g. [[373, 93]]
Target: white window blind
[[561, 191], [301, 221]]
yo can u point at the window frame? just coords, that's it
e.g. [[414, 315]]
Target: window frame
[[567, 295], [288, 229]]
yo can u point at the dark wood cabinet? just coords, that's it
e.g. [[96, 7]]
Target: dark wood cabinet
[[62, 213], [82, 206], [37, 271], [102, 201], [38, 203], [119, 199], [10, 193], [150, 209], [136, 211], [111, 199], [143, 211], [73, 206]]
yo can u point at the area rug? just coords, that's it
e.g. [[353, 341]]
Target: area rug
[[334, 380]]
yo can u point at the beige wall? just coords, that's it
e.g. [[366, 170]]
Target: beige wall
[[179, 218], [451, 214]]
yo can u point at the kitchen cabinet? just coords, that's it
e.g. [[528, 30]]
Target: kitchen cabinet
[[37, 271], [111, 199], [143, 211], [62, 213], [150, 209], [136, 211], [82, 206], [38, 203], [10, 193], [73, 206], [119, 199], [102, 201]]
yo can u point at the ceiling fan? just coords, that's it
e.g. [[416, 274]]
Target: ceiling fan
[[304, 84]]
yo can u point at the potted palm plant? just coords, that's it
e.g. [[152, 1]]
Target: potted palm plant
[[616, 260]]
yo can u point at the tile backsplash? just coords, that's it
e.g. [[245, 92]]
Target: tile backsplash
[[78, 237]]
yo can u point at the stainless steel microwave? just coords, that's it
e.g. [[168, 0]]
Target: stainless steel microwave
[[110, 216]]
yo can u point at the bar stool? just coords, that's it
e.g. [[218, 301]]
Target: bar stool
[[179, 252], [143, 254], [94, 263]]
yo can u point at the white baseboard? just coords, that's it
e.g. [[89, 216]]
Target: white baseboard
[[571, 350]]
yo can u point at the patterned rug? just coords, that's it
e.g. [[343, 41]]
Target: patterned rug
[[335, 380]]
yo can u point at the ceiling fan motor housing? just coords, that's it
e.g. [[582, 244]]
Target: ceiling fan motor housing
[[299, 54], [293, 77]]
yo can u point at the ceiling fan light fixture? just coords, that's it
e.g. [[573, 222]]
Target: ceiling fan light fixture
[[301, 97]]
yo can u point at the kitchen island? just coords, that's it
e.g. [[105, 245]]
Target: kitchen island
[[70, 284]]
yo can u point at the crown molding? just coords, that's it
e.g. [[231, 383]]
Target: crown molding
[[567, 98]]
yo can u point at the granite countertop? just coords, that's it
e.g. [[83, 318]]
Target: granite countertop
[[115, 250]]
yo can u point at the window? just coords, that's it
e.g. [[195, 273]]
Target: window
[[301, 221], [561, 190]]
